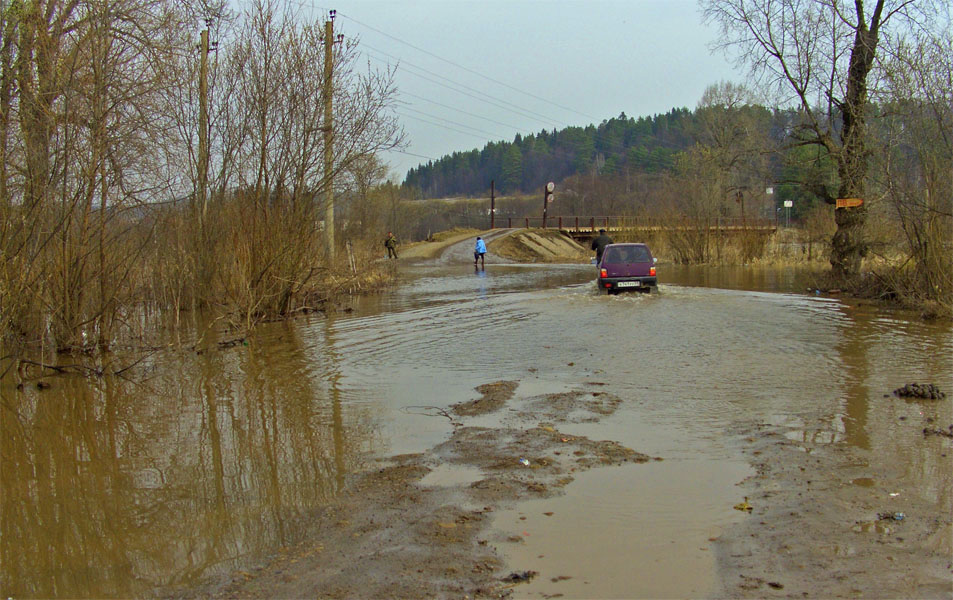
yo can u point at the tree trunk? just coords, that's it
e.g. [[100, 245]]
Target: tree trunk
[[848, 246]]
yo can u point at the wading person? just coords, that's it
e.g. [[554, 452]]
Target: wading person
[[599, 244], [391, 244], [479, 252]]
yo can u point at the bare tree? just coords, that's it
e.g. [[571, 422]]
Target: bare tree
[[731, 138], [78, 79], [915, 165], [98, 126], [272, 150], [822, 56]]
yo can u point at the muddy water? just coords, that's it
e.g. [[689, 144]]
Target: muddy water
[[195, 466]]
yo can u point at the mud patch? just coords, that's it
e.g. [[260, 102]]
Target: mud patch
[[494, 396], [390, 534], [573, 407], [922, 391], [810, 516]]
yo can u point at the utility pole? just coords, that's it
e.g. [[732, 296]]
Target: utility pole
[[741, 201], [492, 204], [328, 131], [202, 167]]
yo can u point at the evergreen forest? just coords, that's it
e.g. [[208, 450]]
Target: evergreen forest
[[620, 144]]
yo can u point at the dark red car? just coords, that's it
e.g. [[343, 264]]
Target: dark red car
[[627, 267]]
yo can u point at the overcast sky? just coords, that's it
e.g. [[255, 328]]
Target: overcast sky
[[471, 72]]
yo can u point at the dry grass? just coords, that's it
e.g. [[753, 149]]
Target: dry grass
[[245, 266], [539, 245]]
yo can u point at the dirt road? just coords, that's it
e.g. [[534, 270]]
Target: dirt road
[[503, 245]]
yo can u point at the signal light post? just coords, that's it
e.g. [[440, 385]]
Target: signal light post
[[547, 198]]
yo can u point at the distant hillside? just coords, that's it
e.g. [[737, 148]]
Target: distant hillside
[[646, 144]]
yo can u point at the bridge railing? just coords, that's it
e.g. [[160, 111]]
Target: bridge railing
[[619, 223]]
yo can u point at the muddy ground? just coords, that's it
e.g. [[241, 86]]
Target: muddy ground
[[393, 536], [811, 531], [825, 523]]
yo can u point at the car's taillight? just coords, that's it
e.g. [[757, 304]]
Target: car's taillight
[[603, 273], [652, 271]]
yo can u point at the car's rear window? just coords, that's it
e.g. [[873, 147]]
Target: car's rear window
[[629, 254]]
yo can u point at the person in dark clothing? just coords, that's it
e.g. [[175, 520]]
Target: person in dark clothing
[[391, 244], [599, 244]]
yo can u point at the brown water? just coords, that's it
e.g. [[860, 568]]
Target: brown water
[[198, 465]]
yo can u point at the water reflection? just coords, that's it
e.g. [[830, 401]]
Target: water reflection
[[853, 354], [115, 489], [481, 279], [754, 278]]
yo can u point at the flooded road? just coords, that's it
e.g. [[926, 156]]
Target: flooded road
[[200, 464]]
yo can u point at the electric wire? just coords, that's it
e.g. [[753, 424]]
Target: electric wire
[[477, 73], [472, 92], [520, 110], [480, 132], [520, 129], [407, 67]]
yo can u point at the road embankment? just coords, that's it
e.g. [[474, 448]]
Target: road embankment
[[516, 245]]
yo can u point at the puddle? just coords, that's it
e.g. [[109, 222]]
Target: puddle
[[642, 531]]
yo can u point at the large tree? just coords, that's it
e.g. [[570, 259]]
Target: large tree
[[822, 56]]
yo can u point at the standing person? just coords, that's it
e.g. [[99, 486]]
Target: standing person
[[391, 244], [479, 252], [599, 244]]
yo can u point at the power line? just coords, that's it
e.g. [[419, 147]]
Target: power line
[[520, 129], [480, 131], [450, 62], [314, 6], [482, 96], [477, 94], [430, 158], [617, 146], [455, 87]]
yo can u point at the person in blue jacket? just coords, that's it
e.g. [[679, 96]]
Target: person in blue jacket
[[479, 252]]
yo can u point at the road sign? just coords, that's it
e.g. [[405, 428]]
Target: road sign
[[788, 203], [849, 202]]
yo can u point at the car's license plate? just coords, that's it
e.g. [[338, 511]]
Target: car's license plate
[[629, 284]]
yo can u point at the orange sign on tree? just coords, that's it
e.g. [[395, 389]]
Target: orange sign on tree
[[849, 202]]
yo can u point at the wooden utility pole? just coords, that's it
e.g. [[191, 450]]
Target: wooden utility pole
[[492, 204], [328, 137], [544, 207], [202, 167]]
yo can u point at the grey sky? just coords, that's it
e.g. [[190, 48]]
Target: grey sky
[[477, 71]]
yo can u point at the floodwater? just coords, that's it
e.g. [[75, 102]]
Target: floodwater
[[194, 466]]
